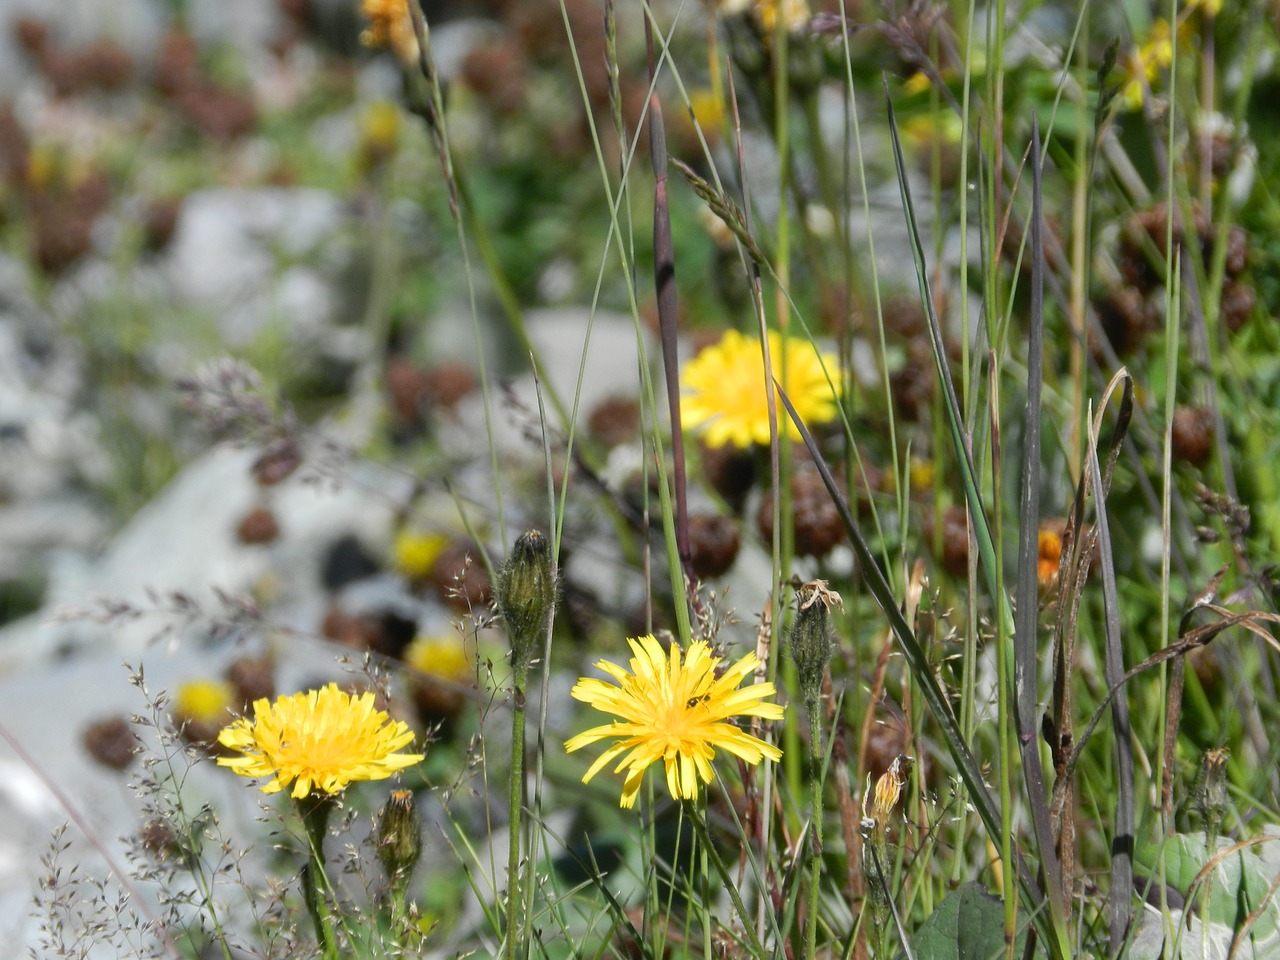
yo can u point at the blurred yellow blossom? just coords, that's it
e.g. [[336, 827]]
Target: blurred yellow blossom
[[439, 656], [204, 701], [416, 553], [1145, 62]]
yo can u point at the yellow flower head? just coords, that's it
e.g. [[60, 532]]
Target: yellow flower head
[[1146, 62], [390, 25], [440, 656], [205, 701], [417, 553], [726, 391], [321, 739], [1050, 555], [675, 711]]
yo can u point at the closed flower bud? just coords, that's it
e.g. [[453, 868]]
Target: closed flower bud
[[810, 640], [399, 836], [526, 593]]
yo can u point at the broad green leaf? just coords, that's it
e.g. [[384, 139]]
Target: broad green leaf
[[968, 925]]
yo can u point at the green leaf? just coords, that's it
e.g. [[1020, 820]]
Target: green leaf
[[1236, 887], [968, 925]]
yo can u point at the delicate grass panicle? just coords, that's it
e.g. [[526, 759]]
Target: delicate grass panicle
[[674, 709], [319, 740]]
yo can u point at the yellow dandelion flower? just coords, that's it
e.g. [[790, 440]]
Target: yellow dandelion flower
[[204, 701], [726, 391], [414, 554], [442, 656], [319, 739], [390, 25], [674, 710], [1145, 63]]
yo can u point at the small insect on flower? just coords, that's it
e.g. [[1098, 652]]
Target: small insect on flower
[[675, 710], [319, 739]]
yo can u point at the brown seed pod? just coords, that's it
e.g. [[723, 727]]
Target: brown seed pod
[[1192, 435], [111, 742], [714, 542], [258, 526], [817, 522]]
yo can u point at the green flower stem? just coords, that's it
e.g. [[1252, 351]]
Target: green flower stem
[[515, 809], [315, 811], [730, 885], [815, 826]]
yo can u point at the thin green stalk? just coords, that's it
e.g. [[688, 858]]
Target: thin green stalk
[[816, 755], [315, 811], [515, 810]]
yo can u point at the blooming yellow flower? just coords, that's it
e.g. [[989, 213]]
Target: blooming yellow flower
[[674, 711], [390, 25], [726, 389], [321, 739]]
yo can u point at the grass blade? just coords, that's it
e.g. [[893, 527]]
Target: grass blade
[[1122, 842], [938, 705], [1026, 625]]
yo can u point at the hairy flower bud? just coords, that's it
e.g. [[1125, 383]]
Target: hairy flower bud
[[399, 836], [810, 640], [525, 594]]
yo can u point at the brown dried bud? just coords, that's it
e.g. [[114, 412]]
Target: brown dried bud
[[818, 527], [258, 526], [714, 543], [252, 678], [111, 742], [1192, 435], [730, 472], [615, 420]]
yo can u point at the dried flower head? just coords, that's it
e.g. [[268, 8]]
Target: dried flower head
[[319, 739], [675, 710]]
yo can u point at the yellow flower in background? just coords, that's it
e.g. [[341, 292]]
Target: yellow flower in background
[[390, 25], [204, 701], [439, 656], [1049, 552], [319, 739], [793, 14], [674, 711], [1146, 62], [414, 554], [726, 391], [1210, 8]]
